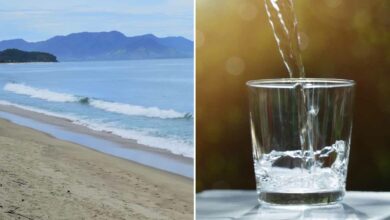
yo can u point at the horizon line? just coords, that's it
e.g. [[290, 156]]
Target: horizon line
[[61, 35]]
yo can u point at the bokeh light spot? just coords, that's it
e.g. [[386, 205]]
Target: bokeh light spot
[[361, 19], [247, 11], [200, 39], [303, 41], [235, 65], [333, 3]]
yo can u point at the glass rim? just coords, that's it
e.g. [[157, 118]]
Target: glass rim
[[291, 82]]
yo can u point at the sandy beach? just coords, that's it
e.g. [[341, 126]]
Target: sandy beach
[[42, 177]]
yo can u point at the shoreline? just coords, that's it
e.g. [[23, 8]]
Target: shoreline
[[43, 177], [101, 141], [69, 61]]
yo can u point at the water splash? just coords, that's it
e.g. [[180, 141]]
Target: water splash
[[279, 170]]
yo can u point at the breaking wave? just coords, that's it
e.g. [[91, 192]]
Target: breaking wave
[[45, 94], [116, 107]]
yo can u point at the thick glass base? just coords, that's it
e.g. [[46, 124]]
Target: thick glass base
[[315, 198]]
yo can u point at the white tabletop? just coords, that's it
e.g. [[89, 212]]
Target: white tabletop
[[241, 204]]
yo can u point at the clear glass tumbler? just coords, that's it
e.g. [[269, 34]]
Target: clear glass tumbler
[[301, 134]]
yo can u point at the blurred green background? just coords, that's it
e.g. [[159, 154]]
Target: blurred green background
[[340, 39]]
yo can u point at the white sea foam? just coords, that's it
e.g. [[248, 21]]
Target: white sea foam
[[45, 94], [135, 110], [173, 145], [116, 107]]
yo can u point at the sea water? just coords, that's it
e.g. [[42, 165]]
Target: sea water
[[150, 101], [299, 176]]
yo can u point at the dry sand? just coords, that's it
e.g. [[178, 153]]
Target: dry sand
[[45, 178]]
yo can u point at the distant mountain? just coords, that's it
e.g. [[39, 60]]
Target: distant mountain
[[18, 56], [106, 46]]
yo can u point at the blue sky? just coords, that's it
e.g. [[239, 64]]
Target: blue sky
[[35, 20]]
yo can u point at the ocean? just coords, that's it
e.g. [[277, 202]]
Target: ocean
[[150, 101]]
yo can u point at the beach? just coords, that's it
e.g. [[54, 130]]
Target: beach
[[42, 177], [102, 141]]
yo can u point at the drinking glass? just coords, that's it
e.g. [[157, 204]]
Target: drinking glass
[[301, 134]]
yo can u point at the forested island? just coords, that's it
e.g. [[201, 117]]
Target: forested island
[[19, 56]]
